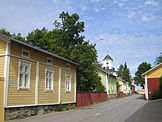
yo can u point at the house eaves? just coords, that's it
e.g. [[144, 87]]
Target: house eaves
[[151, 70], [10, 40]]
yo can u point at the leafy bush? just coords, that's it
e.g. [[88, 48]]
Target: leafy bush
[[68, 107], [161, 87], [59, 107]]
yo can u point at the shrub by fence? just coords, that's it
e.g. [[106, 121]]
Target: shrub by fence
[[88, 98]]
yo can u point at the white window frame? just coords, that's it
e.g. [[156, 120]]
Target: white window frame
[[52, 79], [26, 51], [22, 62], [68, 90], [51, 61]]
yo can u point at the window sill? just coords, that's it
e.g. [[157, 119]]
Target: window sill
[[24, 89], [49, 90], [67, 91]]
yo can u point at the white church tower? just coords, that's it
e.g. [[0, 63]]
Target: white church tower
[[107, 63]]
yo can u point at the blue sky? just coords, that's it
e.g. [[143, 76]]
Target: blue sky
[[128, 30]]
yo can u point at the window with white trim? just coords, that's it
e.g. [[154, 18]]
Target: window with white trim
[[49, 61], [24, 75], [49, 79], [67, 82], [25, 53]]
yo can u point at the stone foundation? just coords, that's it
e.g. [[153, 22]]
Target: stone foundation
[[23, 112]]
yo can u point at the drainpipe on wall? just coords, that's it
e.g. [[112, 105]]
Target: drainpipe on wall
[[107, 85], [146, 88]]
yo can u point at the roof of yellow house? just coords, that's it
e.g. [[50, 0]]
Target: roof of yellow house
[[119, 78], [152, 69], [9, 39]]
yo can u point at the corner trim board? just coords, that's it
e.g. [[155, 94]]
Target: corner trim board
[[6, 73]]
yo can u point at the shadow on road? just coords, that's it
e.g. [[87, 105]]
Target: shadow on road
[[133, 117], [150, 112], [142, 96]]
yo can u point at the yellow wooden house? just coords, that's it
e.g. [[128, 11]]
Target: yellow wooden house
[[152, 80], [33, 78], [124, 86]]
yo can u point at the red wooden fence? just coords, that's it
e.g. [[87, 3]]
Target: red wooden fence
[[88, 98]]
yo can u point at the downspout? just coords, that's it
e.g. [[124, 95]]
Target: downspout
[[146, 88], [107, 84]]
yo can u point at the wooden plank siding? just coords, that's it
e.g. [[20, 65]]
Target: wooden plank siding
[[1, 99], [18, 97], [2, 58], [48, 97], [155, 73], [67, 96], [2, 47]]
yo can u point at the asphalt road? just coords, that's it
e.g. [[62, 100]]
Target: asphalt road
[[116, 110], [150, 112]]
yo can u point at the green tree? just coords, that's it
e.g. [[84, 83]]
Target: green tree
[[66, 40], [120, 70], [158, 59], [15, 36], [143, 67], [124, 73], [5, 32]]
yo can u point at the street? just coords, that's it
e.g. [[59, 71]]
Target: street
[[116, 110]]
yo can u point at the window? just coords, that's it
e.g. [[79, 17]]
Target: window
[[49, 61], [68, 82], [24, 75], [49, 79], [25, 54], [68, 65]]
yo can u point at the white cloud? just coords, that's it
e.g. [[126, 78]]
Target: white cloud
[[83, 8], [150, 2], [97, 9], [147, 18], [120, 3], [124, 45], [129, 48], [131, 14], [95, 1], [55, 1]]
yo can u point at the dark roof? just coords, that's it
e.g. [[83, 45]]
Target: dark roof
[[108, 57], [106, 71], [9, 39]]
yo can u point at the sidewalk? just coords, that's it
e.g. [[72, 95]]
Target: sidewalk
[[150, 112]]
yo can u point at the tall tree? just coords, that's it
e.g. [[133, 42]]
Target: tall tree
[[120, 70], [143, 67], [158, 59], [15, 36], [124, 73], [66, 40]]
